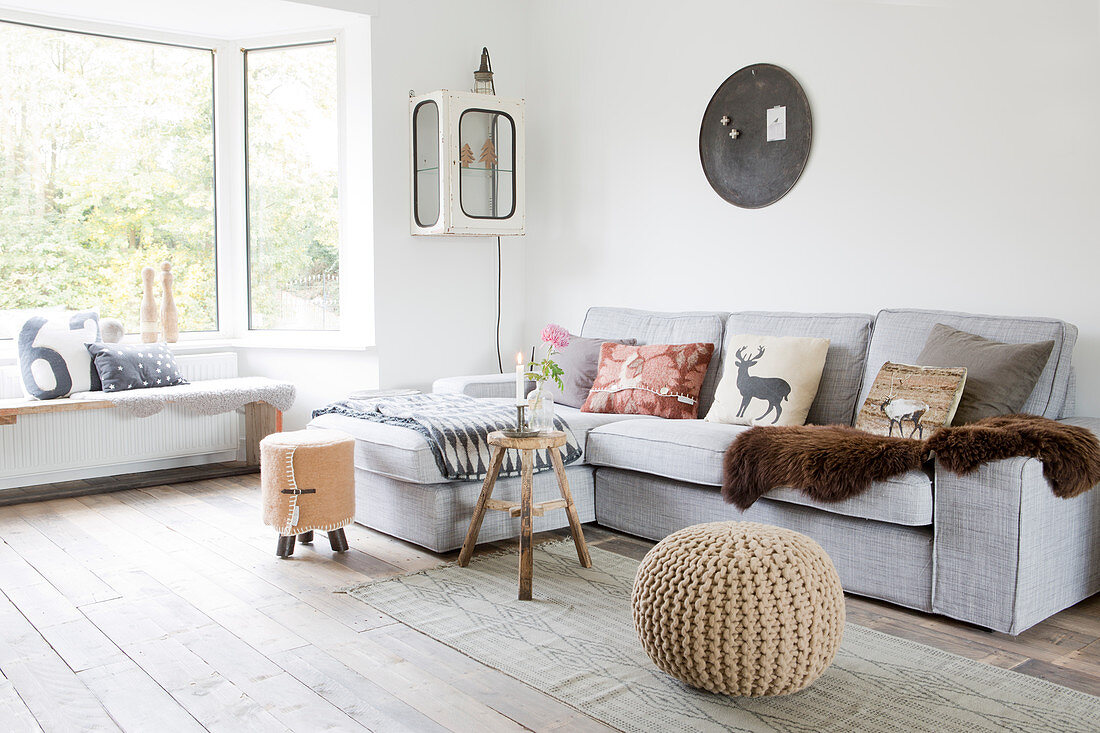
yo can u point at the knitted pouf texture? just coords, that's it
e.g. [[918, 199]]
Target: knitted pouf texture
[[739, 608]]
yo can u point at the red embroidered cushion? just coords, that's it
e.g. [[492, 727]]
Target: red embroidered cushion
[[659, 379]]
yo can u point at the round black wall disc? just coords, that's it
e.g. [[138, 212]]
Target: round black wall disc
[[754, 140]]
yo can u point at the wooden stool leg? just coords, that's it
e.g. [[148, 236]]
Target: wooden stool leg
[[286, 546], [570, 509], [306, 537], [479, 509], [526, 556], [337, 540]]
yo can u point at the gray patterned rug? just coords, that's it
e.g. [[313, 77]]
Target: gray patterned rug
[[576, 642]]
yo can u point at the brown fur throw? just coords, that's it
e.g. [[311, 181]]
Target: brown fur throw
[[1070, 453], [835, 462]]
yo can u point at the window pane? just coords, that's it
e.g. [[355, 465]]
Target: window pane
[[426, 160], [106, 166], [488, 185], [293, 242]]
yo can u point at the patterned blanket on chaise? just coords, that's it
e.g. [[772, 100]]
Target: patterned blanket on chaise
[[457, 429]]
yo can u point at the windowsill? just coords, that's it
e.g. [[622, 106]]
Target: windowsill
[[280, 341], [294, 342]]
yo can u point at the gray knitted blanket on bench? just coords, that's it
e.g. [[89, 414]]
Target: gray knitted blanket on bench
[[206, 397], [457, 429]]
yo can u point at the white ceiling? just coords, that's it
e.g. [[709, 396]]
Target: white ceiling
[[212, 18]]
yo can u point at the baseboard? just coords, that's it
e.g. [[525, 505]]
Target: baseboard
[[122, 482], [114, 469]]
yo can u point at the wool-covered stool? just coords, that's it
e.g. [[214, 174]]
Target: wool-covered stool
[[739, 608], [308, 482]]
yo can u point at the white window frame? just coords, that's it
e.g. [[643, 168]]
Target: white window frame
[[354, 181]]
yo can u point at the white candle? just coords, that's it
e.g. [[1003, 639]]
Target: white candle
[[520, 371]]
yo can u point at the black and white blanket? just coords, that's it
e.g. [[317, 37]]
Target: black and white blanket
[[457, 428]]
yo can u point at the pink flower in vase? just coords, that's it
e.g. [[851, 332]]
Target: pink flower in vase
[[556, 336]]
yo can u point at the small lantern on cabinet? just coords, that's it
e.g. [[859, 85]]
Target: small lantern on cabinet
[[468, 160], [483, 77]]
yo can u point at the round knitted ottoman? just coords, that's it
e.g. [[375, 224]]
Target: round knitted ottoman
[[308, 483], [739, 608]]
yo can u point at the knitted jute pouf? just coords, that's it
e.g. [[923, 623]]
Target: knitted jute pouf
[[308, 483], [739, 608]]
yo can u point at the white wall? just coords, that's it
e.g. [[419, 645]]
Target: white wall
[[954, 163], [435, 297]]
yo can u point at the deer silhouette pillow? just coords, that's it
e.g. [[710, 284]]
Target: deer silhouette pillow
[[911, 401], [768, 380]]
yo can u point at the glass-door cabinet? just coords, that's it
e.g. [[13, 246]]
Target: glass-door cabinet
[[467, 164]]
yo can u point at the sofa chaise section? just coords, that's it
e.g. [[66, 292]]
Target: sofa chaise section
[[400, 490]]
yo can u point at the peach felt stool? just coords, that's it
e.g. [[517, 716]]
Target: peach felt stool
[[308, 483]]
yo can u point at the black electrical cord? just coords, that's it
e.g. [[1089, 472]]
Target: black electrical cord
[[500, 363]]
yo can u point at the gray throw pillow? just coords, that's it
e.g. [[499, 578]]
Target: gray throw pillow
[[999, 377], [138, 366], [580, 360]]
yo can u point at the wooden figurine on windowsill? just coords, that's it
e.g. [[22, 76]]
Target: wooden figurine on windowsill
[[149, 326], [169, 315]]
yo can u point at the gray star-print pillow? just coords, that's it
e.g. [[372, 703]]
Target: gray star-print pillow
[[135, 366]]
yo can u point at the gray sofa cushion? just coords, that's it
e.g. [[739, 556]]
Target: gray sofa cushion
[[580, 361], [662, 328], [849, 335], [999, 377], [900, 335], [401, 453], [693, 450]]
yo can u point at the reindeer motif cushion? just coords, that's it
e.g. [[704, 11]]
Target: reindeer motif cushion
[[658, 379], [768, 380], [911, 401]]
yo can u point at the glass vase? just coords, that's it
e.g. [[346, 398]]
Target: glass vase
[[540, 410]]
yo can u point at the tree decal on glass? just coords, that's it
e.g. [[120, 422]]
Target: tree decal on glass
[[466, 156], [488, 154]]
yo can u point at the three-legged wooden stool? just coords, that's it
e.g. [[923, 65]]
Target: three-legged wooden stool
[[550, 441]]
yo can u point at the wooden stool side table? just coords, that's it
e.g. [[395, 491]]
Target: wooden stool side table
[[550, 441]]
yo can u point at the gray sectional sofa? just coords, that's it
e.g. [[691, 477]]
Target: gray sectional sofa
[[995, 548]]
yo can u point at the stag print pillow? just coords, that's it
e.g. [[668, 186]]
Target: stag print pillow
[[911, 401], [659, 379], [768, 380]]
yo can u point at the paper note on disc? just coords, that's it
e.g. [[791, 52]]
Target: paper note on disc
[[777, 123]]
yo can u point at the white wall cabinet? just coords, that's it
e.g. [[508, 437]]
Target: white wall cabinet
[[468, 162]]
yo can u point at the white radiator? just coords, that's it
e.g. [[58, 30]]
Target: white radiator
[[64, 446]]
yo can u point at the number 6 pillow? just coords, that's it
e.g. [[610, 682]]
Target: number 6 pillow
[[53, 358]]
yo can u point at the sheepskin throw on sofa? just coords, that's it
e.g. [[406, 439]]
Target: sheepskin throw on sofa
[[835, 462]]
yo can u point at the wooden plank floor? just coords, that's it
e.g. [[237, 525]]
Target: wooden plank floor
[[165, 608]]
